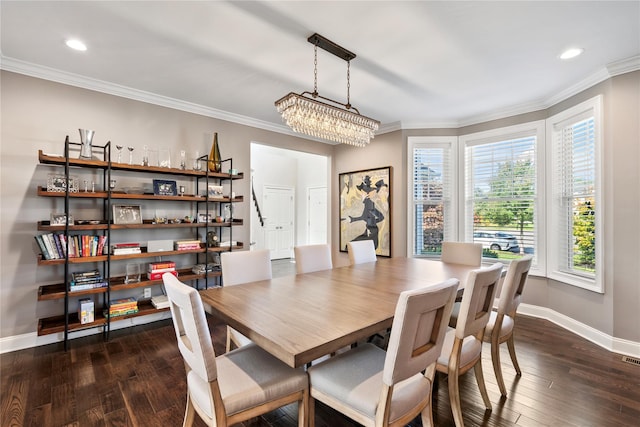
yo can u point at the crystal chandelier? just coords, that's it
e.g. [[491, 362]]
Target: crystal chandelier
[[341, 123]]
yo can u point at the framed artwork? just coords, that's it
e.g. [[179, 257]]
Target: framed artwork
[[164, 188], [127, 214], [58, 183], [204, 218], [60, 219], [215, 191], [365, 208]]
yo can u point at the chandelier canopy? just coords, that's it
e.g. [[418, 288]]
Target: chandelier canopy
[[342, 123]]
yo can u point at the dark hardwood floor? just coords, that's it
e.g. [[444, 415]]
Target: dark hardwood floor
[[137, 378]]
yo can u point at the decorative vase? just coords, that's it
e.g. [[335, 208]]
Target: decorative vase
[[86, 136], [214, 156]]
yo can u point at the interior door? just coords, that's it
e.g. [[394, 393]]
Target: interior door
[[279, 211]]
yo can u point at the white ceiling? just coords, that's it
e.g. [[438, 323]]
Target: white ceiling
[[418, 64]]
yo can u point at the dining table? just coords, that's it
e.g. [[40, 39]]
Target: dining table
[[300, 318]]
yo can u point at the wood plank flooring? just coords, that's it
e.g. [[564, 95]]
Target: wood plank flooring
[[138, 379]]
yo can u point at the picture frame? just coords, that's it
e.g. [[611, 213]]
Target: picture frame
[[163, 187], [57, 183], [204, 218], [215, 191], [60, 219], [127, 214], [365, 208]]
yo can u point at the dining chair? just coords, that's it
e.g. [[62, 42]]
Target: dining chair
[[361, 251], [378, 388], [311, 258], [233, 387], [241, 267], [462, 347], [501, 321], [466, 253]]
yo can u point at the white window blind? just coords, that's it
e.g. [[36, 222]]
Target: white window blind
[[433, 217], [574, 207], [500, 195]]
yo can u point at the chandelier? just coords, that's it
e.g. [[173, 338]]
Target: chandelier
[[342, 123]]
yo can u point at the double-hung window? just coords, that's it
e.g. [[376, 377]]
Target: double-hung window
[[432, 217], [502, 187], [574, 206]]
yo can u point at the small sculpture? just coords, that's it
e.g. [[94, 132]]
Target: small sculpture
[[212, 239]]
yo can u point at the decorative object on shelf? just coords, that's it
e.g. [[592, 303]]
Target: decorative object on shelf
[[164, 158], [196, 162], [307, 115], [212, 239], [112, 184], [365, 208], [86, 137], [163, 187], [119, 148], [130, 148], [182, 190], [233, 171], [215, 190], [204, 218], [133, 273], [183, 159], [228, 212], [127, 214], [160, 217], [214, 156], [60, 219], [58, 183], [86, 311], [145, 155]]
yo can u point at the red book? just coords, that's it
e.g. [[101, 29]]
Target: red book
[[158, 276]]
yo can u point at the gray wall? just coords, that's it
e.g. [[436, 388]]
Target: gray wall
[[37, 114]]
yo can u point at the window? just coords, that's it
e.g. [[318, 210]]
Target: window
[[432, 217], [501, 190], [575, 212]]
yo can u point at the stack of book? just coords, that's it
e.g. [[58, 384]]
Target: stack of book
[[54, 245], [160, 301], [81, 281], [125, 249], [157, 269], [122, 307], [186, 245]]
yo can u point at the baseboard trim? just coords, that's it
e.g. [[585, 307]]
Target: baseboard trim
[[615, 345], [21, 342]]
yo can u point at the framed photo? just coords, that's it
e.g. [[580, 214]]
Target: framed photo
[[58, 183], [203, 218], [164, 188], [215, 191], [60, 219], [127, 214], [365, 208]]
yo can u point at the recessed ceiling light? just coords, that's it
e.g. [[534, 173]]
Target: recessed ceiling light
[[571, 53], [76, 45]]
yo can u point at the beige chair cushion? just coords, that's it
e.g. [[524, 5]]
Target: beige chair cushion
[[507, 325], [471, 347], [248, 376], [355, 379]]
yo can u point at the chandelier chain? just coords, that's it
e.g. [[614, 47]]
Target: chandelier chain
[[348, 85], [315, 69]]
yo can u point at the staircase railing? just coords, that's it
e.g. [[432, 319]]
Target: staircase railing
[[255, 202]]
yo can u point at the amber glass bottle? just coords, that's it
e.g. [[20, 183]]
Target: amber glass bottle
[[214, 156]]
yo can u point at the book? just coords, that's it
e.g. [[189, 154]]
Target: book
[[56, 240], [162, 270], [160, 301], [126, 245], [161, 265], [158, 276], [120, 312], [86, 286], [43, 249], [51, 246], [126, 251]]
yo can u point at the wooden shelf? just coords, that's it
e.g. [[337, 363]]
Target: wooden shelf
[[55, 324], [57, 290], [50, 159], [147, 223], [42, 191]]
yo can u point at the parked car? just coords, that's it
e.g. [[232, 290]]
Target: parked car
[[497, 241]]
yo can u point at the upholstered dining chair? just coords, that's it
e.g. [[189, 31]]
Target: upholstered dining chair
[[311, 258], [466, 253], [241, 267], [361, 251], [462, 347], [501, 322], [235, 386], [390, 388]]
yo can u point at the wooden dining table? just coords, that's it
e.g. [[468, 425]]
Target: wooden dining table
[[302, 317]]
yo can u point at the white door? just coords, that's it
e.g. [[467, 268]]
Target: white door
[[317, 215], [279, 210]]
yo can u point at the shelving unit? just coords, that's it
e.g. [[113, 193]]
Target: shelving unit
[[69, 321]]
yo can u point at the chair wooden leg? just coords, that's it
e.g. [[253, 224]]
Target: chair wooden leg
[[454, 397], [311, 410], [228, 349], [189, 413], [497, 368], [477, 369], [512, 352], [427, 415]]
